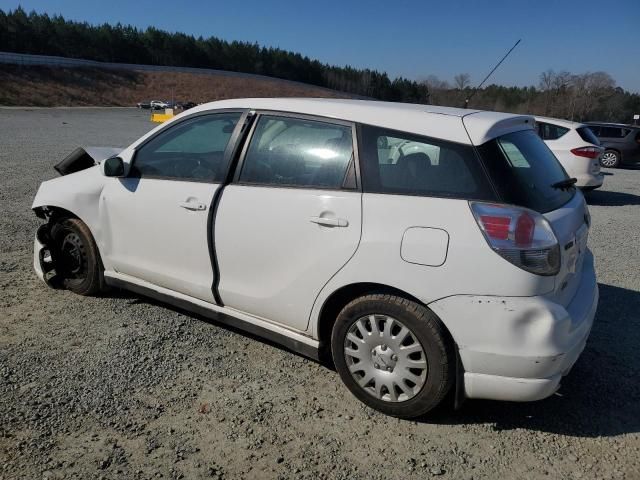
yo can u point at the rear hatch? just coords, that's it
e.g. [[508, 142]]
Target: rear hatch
[[524, 172]]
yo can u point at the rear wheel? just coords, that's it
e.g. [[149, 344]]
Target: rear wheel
[[393, 354], [610, 159], [76, 257]]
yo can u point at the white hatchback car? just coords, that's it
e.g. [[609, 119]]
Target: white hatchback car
[[422, 248], [576, 147]]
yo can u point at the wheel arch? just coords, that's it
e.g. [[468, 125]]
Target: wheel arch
[[52, 212], [614, 149], [338, 299]]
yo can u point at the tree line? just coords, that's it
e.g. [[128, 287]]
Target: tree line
[[586, 96], [578, 97], [54, 35]]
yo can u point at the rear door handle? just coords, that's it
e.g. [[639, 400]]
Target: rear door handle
[[330, 222], [193, 205]]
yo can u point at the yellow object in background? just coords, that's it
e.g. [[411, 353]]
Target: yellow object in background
[[162, 117]]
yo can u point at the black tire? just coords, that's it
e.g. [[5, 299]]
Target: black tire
[[610, 159], [427, 329], [76, 257]]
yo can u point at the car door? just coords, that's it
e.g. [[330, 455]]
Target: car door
[[156, 219], [291, 218]]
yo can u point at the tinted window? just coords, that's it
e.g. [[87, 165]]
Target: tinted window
[[191, 150], [296, 152], [613, 132], [523, 169], [549, 131], [587, 135], [401, 163]]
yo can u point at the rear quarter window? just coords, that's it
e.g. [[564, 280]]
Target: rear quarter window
[[549, 131], [400, 163], [523, 170]]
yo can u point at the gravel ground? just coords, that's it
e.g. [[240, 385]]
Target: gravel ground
[[122, 387]]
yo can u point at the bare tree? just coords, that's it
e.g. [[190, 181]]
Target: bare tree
[[588, 92], [437, 89], [546, 80], [545, 85], [433, 82], [462, 81]]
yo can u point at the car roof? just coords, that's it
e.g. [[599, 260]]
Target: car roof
[[453, 124], [559, 121]]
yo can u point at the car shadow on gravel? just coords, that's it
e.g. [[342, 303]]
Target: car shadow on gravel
[[134, 298], [611, 199], [599, 397]]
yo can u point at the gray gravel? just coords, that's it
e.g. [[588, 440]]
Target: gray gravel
[[122, 387]]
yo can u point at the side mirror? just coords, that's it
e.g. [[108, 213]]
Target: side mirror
[[113, 167]]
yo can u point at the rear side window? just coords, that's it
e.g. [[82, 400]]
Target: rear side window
[[549, 131], [298, 153], [523, 170], [613, 132], [587, 135], [401, 163]]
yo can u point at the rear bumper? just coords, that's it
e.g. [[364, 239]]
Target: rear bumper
[[518, 348], [590, 180]]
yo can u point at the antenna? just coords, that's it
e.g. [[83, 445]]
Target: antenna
[[466, 102]]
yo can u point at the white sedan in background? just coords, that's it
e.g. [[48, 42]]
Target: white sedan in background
[[576, 147]]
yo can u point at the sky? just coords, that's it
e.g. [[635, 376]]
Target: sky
[[409, 38]]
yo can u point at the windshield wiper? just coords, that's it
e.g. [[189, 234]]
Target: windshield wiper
[[566, 183]]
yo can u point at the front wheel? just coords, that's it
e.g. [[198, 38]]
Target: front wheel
[[393, 354], [76, 257], [610, 159]]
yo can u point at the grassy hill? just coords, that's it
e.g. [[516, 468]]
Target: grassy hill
[[54, 86]]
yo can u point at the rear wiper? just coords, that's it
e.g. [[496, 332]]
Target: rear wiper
[[562, 184]]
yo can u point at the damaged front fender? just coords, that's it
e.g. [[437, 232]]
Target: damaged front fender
[[85, 157]]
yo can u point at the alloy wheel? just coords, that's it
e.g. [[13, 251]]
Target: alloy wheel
[[609, 159]]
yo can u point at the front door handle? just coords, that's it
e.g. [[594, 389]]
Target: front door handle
[[330, 222], [193, 205]]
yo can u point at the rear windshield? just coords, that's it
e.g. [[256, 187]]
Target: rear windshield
[[523, 170], [404, 164], [587, 135]]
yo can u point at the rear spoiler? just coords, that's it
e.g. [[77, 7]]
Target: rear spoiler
[[85, 157]]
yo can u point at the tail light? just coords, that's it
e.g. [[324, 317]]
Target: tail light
[[588, 152], [520, 236], [638, 138]]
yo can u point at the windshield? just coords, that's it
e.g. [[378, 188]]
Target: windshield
[[524, 169]]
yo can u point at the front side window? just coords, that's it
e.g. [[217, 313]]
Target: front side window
[[548, 131], [405, 164], [524, 171], [298, 153], [191, 150]]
